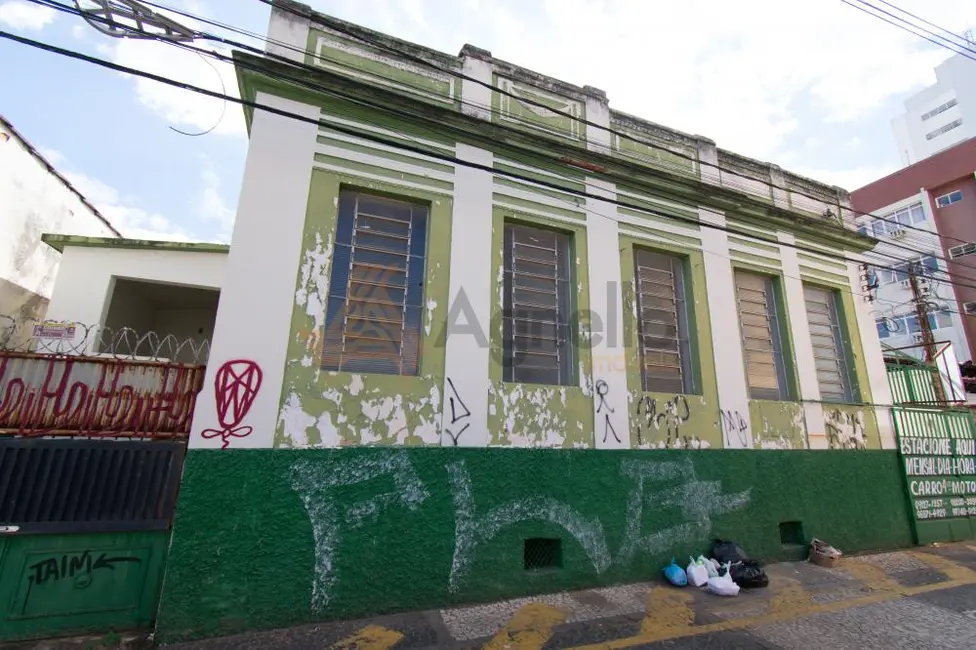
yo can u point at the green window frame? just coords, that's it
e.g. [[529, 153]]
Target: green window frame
[[831, 351], [763, 341]]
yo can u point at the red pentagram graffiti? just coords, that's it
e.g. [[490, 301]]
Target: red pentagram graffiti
[[236, 384]]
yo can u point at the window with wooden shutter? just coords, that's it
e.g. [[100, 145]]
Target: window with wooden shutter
[[830, 352], [662, 321], [376, 289], [537, 310], [761, 337]]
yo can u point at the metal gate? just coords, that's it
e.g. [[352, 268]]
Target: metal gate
[[91, 453]]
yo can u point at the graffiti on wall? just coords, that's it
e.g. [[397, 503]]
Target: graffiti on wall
[[602, 408], [734, 428], [236, 384], [42, 394], [459, 413], [655, 423], [77, 567], [654, 485], [844, 430]]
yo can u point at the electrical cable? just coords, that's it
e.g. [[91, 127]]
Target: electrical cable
[[525, 100], [493, 110], [911, 24], [371, 137], [520, 177]]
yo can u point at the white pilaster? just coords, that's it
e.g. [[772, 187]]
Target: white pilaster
[[873, 359], [465, 414], [291, 31], [598, 112], [733, 394], [262, 266], [611, 421], [806, 368], [476, 97]]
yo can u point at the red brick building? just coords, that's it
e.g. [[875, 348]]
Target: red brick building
[[945, 186]]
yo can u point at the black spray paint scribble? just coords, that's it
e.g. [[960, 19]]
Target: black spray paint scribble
[[76, 566], [602, 389], [459, 413], [669, 417], [835, 421], [734, 423]]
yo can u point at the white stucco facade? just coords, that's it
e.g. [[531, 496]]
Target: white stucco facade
[[35, 200]]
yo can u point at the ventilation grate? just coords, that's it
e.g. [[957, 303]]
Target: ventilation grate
[[542, 553]]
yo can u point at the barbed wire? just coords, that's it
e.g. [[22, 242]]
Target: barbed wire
[[28, 334]]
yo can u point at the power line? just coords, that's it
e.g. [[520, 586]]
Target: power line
[[525, 100], [894, 24], [965, 45], [415, 149], [305, 83], [428, 153]]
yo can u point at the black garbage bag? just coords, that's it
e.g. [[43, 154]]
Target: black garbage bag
[[748, 574], [726, 551]]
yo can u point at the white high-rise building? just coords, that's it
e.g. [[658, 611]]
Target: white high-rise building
[[941, 115]]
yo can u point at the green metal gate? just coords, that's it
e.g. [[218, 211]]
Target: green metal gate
[[84, 531]]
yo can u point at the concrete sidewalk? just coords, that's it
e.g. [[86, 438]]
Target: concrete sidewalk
[[922, 598]]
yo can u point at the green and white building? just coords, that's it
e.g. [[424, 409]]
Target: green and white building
[[470, 311]]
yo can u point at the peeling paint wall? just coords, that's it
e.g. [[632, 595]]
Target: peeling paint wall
[[661, 420], [778, 425], [333, 409], [530, 415]]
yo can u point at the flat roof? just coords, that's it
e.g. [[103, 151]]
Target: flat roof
[[59, 242]]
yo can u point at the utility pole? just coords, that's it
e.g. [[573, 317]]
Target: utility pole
[[921, 302]]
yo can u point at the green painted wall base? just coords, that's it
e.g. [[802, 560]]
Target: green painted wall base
[[57, 585], [267, 538]]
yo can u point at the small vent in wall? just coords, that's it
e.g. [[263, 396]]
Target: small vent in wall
[[969, 308]]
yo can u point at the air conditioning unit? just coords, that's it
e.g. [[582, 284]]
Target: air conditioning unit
[[969, 308], [898, 234], [906, 283], [917, 338]]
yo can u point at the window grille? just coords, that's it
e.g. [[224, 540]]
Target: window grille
[[662, 323]]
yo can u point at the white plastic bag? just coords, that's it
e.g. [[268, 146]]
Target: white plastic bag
[[710, 566], [697, 573], [723, 585]]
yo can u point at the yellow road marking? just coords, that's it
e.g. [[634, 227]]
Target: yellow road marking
[[668, 609], [873, 576], [787, 595], [528, 629], [371, 637], [953, 570], [878, 596]]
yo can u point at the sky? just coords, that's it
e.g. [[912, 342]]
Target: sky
[[810, 85]]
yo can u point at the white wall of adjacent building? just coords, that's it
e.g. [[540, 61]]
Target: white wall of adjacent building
[[35, 200], [939, 116]]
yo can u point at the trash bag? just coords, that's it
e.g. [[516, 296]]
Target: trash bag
[[697, 573], [723, 585], [711, 566], [749, 575], [726, 551], [675, 574]]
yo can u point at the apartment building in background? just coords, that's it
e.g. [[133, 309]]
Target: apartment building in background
[[940, 116], [925, 212]]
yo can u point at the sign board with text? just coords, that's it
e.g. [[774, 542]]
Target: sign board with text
[[938, 454]]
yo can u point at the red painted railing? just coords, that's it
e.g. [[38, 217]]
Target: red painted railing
[[45, 395]]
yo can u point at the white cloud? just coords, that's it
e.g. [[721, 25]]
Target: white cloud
[[747, 74], [211, 206], [78, 32], [25, 15], [122, 211]]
